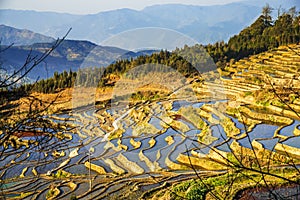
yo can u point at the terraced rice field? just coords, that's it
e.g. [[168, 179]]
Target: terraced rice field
[[128, 151]]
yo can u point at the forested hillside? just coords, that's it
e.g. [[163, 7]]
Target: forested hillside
[[265, 33]]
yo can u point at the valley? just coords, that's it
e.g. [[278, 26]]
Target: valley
[[141, 146]]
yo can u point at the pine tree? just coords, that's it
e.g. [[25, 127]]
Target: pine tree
[[266, 13]]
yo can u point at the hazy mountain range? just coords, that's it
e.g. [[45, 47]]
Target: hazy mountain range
[[206, 24], [203, 23]]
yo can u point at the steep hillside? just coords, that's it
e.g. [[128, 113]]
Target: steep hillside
[[263, 34]]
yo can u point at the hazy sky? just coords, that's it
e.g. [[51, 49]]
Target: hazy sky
[[94, 6]]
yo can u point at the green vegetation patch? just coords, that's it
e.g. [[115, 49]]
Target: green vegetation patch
[[144, 128], [226, 186]]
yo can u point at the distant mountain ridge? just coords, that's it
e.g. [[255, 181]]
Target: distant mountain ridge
[[10, 35], [69, 55], [206, 24]]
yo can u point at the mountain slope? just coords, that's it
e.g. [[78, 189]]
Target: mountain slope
[[10, 35], [71, 54]]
